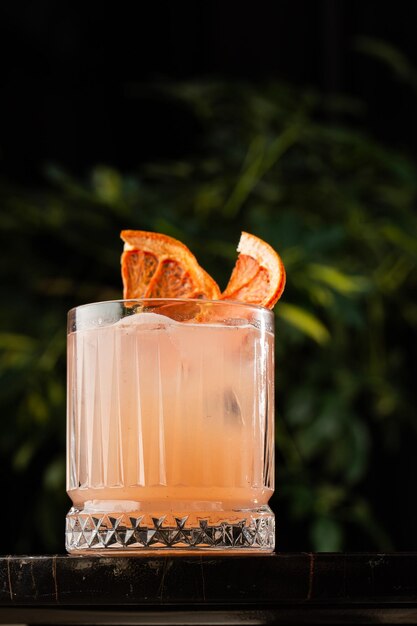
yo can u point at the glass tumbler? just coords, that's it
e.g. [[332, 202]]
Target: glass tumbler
[[170, 417]]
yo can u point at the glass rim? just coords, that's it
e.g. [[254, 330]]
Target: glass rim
[[237, 303]]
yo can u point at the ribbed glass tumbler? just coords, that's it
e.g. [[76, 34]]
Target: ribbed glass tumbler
[[170, 443]]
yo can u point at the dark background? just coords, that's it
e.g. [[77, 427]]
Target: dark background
[[70, 71], [77, 91]]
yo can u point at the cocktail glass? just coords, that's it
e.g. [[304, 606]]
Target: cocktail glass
[[170, 441]]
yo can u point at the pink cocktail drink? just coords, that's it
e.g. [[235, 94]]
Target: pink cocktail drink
[[170, 427]]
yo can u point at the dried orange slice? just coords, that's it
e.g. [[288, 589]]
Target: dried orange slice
[[158, 266], [259, 274]]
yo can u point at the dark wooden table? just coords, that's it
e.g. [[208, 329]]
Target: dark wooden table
[[279, 588]]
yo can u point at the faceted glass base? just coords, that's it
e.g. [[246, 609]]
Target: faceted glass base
[[141, 532]]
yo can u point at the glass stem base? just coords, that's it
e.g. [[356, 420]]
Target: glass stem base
[[139, 532]]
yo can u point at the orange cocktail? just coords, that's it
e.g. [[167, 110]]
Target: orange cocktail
[[170, 426], [171, 404]]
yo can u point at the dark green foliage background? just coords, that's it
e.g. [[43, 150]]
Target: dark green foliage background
[[338, 206]]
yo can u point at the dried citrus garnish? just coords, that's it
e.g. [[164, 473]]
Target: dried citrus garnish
[[259, 274], [157, 266]]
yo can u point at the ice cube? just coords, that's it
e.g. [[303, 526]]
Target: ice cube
[[145, 321], [232, 410]]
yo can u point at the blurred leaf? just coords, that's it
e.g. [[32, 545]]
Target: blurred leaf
[[107, 184], [391, 56], [339, 281], [54, 477], [405, 241], [326, 535], [304, 321], [17, 343], [261, 157], [24, 455]]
